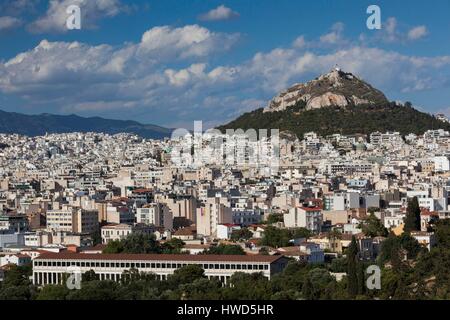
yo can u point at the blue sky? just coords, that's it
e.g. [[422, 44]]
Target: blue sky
[[171, 62]]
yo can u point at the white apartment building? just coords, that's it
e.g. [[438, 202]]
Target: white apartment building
[[441, 164], [224, 231], [157, 214], [309, 218], [50, 268]]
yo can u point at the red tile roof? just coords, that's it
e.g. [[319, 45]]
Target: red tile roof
[[159, 257]]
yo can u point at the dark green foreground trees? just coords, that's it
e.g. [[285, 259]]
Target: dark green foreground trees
[[408, 272]]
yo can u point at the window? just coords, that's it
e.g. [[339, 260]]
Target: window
[[102, 264], [244, 267], [153, 265], [227, 266], [233, 267], [163, 265], [211, 266], [250, 267], [261, 267], [158, 265], [216, 266], [222, 266], [266, 267]]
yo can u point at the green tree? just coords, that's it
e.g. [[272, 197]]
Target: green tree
[[243, 286], [412, 219], [89, 276], [114, 246], [352, 268], [134, 243], [274, 218], [173, 246], [53, 292], [96, 290], [372, 227], [443, 233], [275, 237], [186, 274], [201, 289], [17, 284], [301, 233], [241, 234], [224, 249]]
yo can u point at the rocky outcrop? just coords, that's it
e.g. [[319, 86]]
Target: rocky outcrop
[[336, 88]]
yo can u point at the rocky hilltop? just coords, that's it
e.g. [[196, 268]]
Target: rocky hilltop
[[336, 88], [337, 102]]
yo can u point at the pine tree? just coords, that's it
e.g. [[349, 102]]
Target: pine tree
[[361, 278], [307, 289], [412, 220], [352, 272]]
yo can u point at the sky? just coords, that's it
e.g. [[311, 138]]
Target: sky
[[172, 62]]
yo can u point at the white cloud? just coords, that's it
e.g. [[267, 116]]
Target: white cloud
[[171, 75], [185, 42], [300, 42], [335, 35], [9, 23], [417, 33], [393, 32], [220, 13], [55, 18]]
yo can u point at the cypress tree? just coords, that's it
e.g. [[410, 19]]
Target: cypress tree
[[307, 289], [412, 219], [361, 278], [352, 272]]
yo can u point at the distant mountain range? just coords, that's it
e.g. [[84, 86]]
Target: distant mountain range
[[37, 125], [336, 102]]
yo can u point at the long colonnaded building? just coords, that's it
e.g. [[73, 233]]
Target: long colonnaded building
[[51, 268]]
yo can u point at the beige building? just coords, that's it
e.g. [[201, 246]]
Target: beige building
[[211, 215], [309, 218], [180, 206], [337, 216], [72, 220]]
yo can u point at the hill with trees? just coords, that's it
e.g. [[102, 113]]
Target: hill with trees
[[362, 119]]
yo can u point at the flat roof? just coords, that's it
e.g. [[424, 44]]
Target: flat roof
[[158, 257]]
